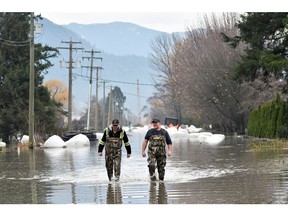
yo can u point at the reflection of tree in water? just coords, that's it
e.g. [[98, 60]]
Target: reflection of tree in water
[[114, 194], [157, 193]]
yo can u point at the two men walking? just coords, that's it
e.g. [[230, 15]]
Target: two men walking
[[157, 138]]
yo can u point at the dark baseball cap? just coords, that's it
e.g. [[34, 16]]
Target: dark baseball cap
[[155, 120], [115, 122]]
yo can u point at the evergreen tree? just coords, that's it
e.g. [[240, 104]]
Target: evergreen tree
[[118, 102], [14, 78], [266, 54], [269, 119]]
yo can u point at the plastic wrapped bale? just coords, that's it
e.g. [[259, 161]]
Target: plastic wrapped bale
[[78, 140], [54, 142]]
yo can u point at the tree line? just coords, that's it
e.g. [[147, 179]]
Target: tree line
[[14, 80], [218, 73]]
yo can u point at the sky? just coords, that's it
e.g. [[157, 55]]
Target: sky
[[162, 21], [163, 15]]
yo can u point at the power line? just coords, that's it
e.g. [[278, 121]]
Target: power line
[[126, 93], [15, 43], [130, 83], [115, 81]]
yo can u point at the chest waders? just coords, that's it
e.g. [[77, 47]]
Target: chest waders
[[157, 156], [113, 155]]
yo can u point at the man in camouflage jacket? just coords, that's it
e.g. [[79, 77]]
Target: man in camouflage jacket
[[112, 140]]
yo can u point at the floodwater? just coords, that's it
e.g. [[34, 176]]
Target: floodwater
[[227, 173]]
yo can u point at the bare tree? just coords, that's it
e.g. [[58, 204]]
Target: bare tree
[[161, 60], [205, 64], [195, 76]]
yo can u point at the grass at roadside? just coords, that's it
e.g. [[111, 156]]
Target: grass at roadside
[[268, 145]]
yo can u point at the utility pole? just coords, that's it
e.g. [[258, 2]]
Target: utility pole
[[96, 108], [110, 106], [90, 90], [70, 78], [31, 84], [103, 120], [138, 103]]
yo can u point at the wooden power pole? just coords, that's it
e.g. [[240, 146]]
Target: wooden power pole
[[103, 108], [71, 48], [31, 84], [138, 103], [97, 78], [110, 106], [96, 108]]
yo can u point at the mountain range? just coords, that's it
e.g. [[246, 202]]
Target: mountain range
[[124, 49]]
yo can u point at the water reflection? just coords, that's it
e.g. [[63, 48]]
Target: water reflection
[[157, 193], [114, 194]]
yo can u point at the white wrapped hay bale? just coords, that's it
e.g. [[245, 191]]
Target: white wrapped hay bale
[[78, 140], [215, 139], [25, 140], [54, 142], [2, 144]]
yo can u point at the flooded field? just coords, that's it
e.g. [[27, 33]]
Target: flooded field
[[227, 173]]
